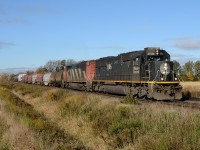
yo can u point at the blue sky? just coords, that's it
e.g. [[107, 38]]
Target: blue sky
[[33, 32]]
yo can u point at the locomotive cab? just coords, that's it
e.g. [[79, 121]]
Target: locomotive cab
[[158, 72], [156, 65]]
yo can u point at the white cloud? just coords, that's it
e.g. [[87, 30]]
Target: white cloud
[[30, 9], [6, 44], [16, 70], [187, 43], [15, 20]]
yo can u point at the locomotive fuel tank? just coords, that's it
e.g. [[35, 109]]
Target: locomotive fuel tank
[[115, 89]]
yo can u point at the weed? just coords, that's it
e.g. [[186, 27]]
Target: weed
[[36, 121], [129, 100], [117, 127], [4, 145], [118, 124], [55, 95]]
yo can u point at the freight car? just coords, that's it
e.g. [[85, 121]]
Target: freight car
[[29, 79], [46, 79], [20, 77], [39, 79]]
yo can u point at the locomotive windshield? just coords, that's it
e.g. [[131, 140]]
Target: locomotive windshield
[[155, 58]]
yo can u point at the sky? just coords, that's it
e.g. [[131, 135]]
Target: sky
[[32, 32]]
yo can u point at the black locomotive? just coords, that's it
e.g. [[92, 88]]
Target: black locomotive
[[146, 73]]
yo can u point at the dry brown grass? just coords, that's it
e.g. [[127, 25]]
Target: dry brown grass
[[75, 125], [18, 135], [48, 134], [191, 89], [101, 122]]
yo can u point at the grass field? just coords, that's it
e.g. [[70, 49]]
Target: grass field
[[191, 89], [90, 121]]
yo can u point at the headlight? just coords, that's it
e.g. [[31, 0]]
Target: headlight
[[165, 68], [175, 78], [161, 79]]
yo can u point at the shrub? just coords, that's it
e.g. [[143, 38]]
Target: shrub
[[56, 95], [73, 104], [129, 100], [4, 145]]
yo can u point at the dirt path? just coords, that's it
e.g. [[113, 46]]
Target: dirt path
[[18, 135]]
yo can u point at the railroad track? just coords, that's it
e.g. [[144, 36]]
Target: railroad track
[[191, 103]]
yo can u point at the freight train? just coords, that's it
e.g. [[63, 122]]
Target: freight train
[[147, 73]]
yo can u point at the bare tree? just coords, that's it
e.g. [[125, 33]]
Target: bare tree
[[52, 65], [41, 70], [69, 62], [55, 65]]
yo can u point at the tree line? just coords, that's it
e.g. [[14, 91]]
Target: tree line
[[190, 71]]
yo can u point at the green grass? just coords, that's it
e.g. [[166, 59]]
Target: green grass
[[4, 144], [128, 100], [122, 124]]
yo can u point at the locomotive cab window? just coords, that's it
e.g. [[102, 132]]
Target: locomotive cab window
[[155, 58], [142, 60], [136, 61]]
